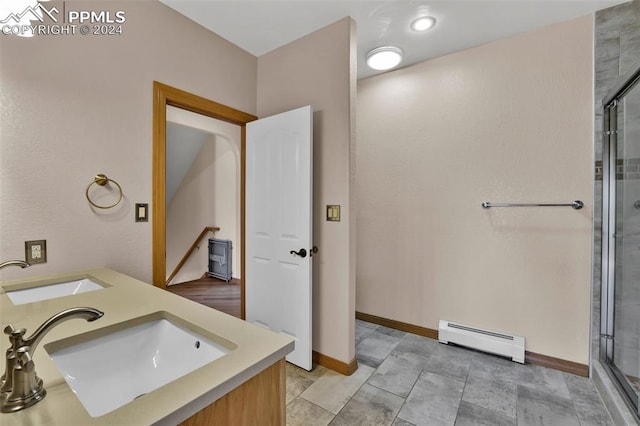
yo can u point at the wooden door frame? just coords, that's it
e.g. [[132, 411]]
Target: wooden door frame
[[164, 95]]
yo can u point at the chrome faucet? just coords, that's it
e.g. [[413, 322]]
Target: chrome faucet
[[20, 263], [21, 387]]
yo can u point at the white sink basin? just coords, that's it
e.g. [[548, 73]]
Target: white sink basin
[[110, 371], [51, 291]]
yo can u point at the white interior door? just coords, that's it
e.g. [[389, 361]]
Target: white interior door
[[278, 216]]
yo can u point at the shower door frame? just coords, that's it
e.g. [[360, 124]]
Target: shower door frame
[[609, 199]]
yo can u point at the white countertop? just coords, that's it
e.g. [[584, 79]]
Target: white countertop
[[125, 298]]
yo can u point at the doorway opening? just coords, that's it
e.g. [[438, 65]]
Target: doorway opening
[[166, 96], [202, 195]]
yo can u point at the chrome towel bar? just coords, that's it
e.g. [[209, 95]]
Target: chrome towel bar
[[577, 205]]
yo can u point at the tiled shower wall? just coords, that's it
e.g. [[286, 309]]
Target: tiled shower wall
[[617, 53]]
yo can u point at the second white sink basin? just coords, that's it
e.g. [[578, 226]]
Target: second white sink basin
[[51, 291], [110, 371]]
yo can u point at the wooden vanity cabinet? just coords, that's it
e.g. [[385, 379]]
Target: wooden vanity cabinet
[[260, 401]]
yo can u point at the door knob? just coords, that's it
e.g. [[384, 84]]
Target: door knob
[[302, 252]]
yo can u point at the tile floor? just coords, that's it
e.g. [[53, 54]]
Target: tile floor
[[404, 379]]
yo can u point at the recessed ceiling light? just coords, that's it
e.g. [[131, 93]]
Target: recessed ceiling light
[[384, 58], [423, 23]]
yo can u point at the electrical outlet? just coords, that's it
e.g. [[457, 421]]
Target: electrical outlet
[[35, 251]]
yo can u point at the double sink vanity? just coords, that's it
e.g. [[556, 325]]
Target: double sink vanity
[[109, 349]]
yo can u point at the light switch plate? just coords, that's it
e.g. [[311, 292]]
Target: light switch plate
[[333, 213], [142, 212], [35, 251]]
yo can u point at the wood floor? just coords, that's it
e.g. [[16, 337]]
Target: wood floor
[[211, 292]]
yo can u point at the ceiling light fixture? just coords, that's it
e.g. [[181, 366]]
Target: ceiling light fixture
[[384, 58], [423, 23]]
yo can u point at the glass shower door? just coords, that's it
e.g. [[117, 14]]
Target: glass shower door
[[621, 268]]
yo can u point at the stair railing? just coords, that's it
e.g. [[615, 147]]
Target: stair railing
[[184, 259]]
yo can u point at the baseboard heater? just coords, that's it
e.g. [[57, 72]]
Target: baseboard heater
[[484, 340]]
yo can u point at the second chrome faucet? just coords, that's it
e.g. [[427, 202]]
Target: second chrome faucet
[[20, 385]]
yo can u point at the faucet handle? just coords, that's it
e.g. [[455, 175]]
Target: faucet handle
[[10, 330], [16, 336]]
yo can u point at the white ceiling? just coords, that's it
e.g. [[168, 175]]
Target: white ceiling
[[259, 26]]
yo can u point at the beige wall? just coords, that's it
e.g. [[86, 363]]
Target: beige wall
[[319, 70], [76, 106], [510, 121]]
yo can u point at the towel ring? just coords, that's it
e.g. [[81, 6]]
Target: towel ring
[[102, 180]]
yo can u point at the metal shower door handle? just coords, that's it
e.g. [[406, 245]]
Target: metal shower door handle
[[302, 252]]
